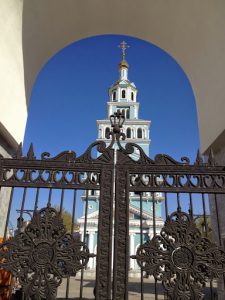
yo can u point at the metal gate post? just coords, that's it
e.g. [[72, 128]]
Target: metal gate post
[[121, 241], [104, 252]]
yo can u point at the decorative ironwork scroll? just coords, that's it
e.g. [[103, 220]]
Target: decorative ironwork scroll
[[180, 258], [43, 254], [62, 171]]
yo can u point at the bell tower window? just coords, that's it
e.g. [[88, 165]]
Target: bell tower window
[[107, 130], [128, 133], [132, 96], [123, 94], [139, 133], [114, 96]]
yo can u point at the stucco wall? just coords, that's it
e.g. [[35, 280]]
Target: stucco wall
[[13, 112]]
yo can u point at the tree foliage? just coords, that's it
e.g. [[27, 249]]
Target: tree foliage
[[67, 220], [200, 223]]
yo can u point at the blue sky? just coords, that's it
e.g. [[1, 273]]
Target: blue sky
[[71, 92]]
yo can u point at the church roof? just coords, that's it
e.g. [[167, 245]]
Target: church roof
[[124, 83], [132, 208]]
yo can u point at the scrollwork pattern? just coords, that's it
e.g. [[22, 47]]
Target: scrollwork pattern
[[43, 254], [190, 181], [181, 258]]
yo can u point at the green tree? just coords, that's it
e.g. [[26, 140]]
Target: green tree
[[67, 219], [200, 223]]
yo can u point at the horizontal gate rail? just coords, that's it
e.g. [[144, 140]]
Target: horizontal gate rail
[[63, 171]]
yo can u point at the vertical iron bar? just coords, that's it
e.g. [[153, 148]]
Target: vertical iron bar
[[71, 231], [204, 215], [166, 213], [218, 229], [22, 208], [153, 203], [178, 202], [154, 231], [128, 237], [191, 205], [85, 227], [206, 235], [74, 210], [141, 239], [36, 200], [49, 197], [218, 220], [8, 213], [166, 204], [61, 202]]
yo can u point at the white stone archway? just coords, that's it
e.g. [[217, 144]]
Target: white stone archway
[[192, 32]]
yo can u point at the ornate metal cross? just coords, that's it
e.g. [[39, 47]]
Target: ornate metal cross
[[123, 45]]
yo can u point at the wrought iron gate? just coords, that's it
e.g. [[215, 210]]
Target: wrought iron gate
[[179, 261]]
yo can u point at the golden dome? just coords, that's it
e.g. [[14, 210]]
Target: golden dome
[[123, 64]]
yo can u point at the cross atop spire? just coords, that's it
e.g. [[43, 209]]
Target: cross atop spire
[[123, 45]]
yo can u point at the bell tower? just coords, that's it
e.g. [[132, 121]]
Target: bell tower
[[123, 98]]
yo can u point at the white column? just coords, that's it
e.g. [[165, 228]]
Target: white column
[[132, 250], [110, 110], [91, 248], [135, 112], [134, 133]]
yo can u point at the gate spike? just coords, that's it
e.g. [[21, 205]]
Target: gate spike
[[211, 159], [199, 160], [30, 153], [19, 152]]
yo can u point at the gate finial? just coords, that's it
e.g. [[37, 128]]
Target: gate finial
[[211, 159], [199, 160], [117, 120]]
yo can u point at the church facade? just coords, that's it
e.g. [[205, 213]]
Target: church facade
[[123, 98]]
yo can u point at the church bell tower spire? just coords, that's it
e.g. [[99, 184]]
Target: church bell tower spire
[[123, 66]]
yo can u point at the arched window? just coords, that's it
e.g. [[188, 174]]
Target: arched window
[[128, 114], [92, 192], [128, 133], [123, 112], [132, 96], [107, 130], [114, 96], [123, 94], [139, 133]]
